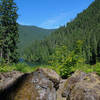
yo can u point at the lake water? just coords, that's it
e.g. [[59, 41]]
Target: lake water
[[21, 60]]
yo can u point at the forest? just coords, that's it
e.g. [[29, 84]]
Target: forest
[[85, 27], [28, 34], [73, 46]]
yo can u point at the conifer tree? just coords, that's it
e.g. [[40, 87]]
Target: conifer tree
[[93, 45], [8, 15]]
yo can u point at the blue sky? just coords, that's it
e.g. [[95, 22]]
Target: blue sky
[[49, 13]]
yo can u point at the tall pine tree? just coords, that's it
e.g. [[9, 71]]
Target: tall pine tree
[[8, 16]]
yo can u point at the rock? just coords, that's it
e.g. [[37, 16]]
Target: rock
[[8, 78], [45, 83], [39, 85], [82, 86], [60, 90], [52, 75], [20, 89], [26, 90]]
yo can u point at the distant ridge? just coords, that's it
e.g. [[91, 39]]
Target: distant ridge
[[28, 34]]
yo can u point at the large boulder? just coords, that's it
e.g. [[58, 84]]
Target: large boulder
[[25, 89], [82, 86], [51, 75], [39, 85], [16, 86], [46, 82]]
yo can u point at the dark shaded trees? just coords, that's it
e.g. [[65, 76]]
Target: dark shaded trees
[[9, 32]]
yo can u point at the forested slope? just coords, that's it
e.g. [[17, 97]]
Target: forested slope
[[85, 27], [28, 34]]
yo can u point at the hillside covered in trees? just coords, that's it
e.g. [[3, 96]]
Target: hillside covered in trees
[[27, 35], [75, 46], [84, 28]]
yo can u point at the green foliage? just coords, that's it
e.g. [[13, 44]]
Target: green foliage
[[8, 31], [6, 68], [88, 68], [64, 60], [22, 67]]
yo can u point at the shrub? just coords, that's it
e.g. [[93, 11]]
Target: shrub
[[64, 60]]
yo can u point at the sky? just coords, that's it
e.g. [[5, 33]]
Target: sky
[[49, 14]]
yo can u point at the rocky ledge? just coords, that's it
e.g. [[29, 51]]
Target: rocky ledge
[[46, 84]]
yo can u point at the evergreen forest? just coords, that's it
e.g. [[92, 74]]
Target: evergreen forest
[[74, 46]]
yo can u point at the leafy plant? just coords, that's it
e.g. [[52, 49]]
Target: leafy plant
[[64, 60]]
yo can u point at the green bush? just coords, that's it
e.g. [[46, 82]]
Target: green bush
[[6, 68], [22, 67], [64, 60]]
